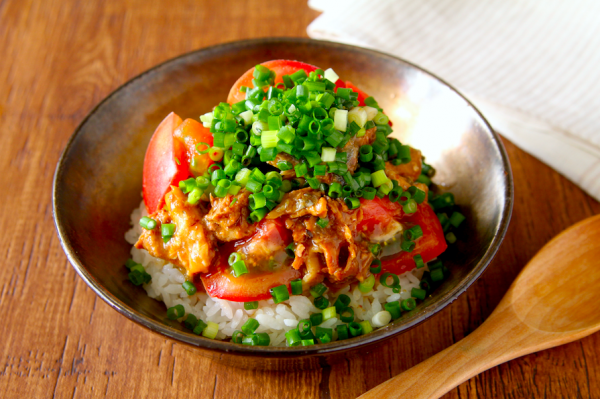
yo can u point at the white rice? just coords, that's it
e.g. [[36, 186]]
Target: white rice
[[274, 319]]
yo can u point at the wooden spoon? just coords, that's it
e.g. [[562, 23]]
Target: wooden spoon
[[554, 300]]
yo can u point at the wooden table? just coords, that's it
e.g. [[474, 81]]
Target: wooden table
[[59, 59]]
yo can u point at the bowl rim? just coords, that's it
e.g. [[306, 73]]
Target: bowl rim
[[374, 337]]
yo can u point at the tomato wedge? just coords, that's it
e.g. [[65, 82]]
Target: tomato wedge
[[270, 239], [165, 163], [192, 133], [431, 245], [280, 67]]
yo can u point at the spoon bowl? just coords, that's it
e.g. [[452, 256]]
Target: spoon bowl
[[554, 292], [549, 304]]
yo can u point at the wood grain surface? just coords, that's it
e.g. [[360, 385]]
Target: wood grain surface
[[59, 59]]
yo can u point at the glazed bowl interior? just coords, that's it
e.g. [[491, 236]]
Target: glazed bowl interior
[[99, 177]]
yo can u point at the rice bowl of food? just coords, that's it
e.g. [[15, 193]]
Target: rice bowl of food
[[292, 218]]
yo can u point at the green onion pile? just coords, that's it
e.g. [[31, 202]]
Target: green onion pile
[[306, 119]]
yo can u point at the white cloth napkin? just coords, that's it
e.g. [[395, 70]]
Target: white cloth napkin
[[532, 67]]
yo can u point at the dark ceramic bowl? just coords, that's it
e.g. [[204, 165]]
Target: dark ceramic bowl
[[99, 176]]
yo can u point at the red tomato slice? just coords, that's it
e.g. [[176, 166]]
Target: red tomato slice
[[280, 67], [271, 237], [431, 245], [192, 132], [165, 163]]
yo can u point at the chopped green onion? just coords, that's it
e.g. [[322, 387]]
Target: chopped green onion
[[242, 176], [347, 315], [451, 238], [378, 178], [301, 169], [369, 193], [328, 154], [190, 322], [395, 280], [234, 257], [318, 290], [237, 337], [335, 190], [366, 153], [316, 318], [437, 275], [410, 207], [419, 261], [293, 337], [211, 330], [167, 230], [456, 219], [290, 250], [258, 200], [377, 268], [322, 222], [393, 308], [222, 188], [408, 304], [444, 221], [280, 293], [253, 186], [407, 245], [355, 329], [325, 335], [303, 326], [342, 332], [239, 268], [200, 327], [284, 165], [330, 75], [139, 277], [335, 138], [352, 202], [320, 170], [268, 139], [404, 154], [148, 223], [417, 194], [375, 249], [216, 154], [307, 342], [321, 302], [418, 293], [366, 326], [189, 287], [175, 312], [129, 263], [251, 305], [250, 326], [263, 339], [341, 303], [424, 179], [296, 286], [328, 312], [367, 284]]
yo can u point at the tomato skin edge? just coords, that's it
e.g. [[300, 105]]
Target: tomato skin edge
[[431, 245], [165, 163]]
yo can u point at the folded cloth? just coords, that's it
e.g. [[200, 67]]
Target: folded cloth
[[532, 67]]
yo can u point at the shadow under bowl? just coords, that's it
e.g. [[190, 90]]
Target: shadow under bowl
[[98, 179]]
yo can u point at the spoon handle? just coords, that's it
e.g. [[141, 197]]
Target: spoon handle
[[500, 338]]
